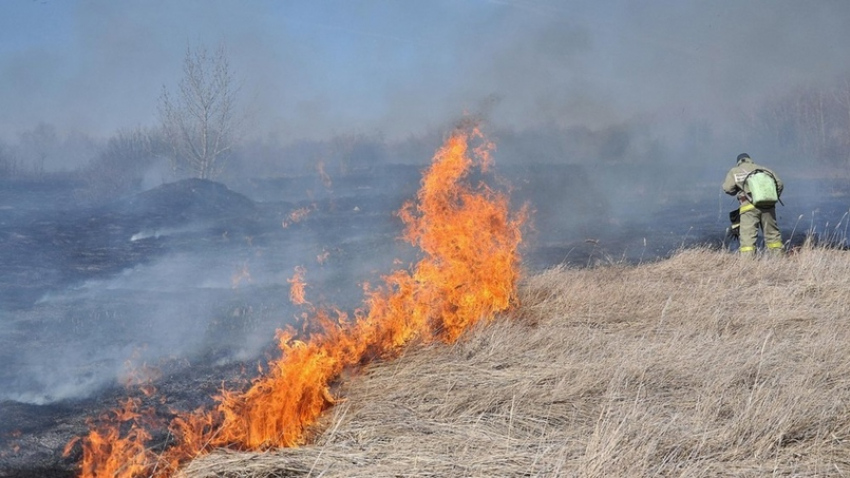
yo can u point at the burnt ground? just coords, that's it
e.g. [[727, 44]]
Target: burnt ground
[[190, 278]]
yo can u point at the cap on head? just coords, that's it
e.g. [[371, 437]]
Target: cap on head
[[742, 157]]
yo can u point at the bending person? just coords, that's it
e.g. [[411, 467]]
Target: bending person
[[756, 212]]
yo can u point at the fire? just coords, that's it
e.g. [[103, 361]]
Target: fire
[[326, 180], [108, 452], [140, 376], [240, 276], [323, 257], [467, 273], [297, 215], [297, 285]]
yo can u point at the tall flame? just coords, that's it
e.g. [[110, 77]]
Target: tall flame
[[467, 273], [108, 452]]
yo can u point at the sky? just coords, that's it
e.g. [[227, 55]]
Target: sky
[[315, 68]]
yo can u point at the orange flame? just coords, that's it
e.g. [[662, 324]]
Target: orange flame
[[108, 452], [242, 275], [140, 376], [323, 257], [297, 215], [326, 180], [296, 289], [468, 273]]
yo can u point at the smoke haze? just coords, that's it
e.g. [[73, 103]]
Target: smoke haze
[[561, 82], [312, 69]]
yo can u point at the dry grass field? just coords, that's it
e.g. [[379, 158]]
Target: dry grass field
[[701, 365]]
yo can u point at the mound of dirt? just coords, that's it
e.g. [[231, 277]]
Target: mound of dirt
[[55, 248], [188, 200]]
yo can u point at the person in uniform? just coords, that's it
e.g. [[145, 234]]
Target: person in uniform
[[752, 217]]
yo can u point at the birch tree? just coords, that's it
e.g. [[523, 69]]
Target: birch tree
[[200, 120]]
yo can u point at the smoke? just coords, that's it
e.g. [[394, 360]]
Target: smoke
[[602, 114], [189, 274], [188, 309], [84, 338], [312, 70]]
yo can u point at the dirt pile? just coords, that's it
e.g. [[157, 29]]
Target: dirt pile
[[187, 200], [48, 248]]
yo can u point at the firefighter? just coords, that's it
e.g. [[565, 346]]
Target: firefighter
[[753, 217]]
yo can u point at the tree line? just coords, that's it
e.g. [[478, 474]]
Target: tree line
[[201, 133], [810, 121]]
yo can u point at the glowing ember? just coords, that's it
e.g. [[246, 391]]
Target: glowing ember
[[467, 273]]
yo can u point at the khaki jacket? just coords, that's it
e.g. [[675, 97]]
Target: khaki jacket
[[734, 182]]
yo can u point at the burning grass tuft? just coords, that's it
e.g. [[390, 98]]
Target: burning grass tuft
[[700, 365]]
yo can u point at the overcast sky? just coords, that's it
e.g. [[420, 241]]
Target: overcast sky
[[313, 68]]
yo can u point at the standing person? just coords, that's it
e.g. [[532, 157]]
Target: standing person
[[760, 211]]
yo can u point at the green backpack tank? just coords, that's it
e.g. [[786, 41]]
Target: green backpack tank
[[762, 188]]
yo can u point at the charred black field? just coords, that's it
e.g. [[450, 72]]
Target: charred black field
[[182, 286]]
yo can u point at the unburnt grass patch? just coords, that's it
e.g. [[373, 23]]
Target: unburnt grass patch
[[701, 365]]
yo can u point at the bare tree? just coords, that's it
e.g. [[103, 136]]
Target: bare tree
[[8, 165], [39, 145], [200, 121], [842, 130]]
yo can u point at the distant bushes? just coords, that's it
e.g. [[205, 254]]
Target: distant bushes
[[9, 166], [807, 123], [806, 126], [122, 165]]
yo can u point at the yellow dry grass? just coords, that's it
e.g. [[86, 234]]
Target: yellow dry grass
[[702, 365]]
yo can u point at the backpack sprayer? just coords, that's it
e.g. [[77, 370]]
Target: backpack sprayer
[[762, 186], [763, 193]]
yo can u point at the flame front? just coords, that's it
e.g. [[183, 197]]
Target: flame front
[[467, 273], [108, 452]]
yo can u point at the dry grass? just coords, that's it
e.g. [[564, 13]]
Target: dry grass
[[702, 365]]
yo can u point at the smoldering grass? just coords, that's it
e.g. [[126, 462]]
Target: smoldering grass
[[705, 364]]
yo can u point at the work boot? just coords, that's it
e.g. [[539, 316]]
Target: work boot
[[746, 251]]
